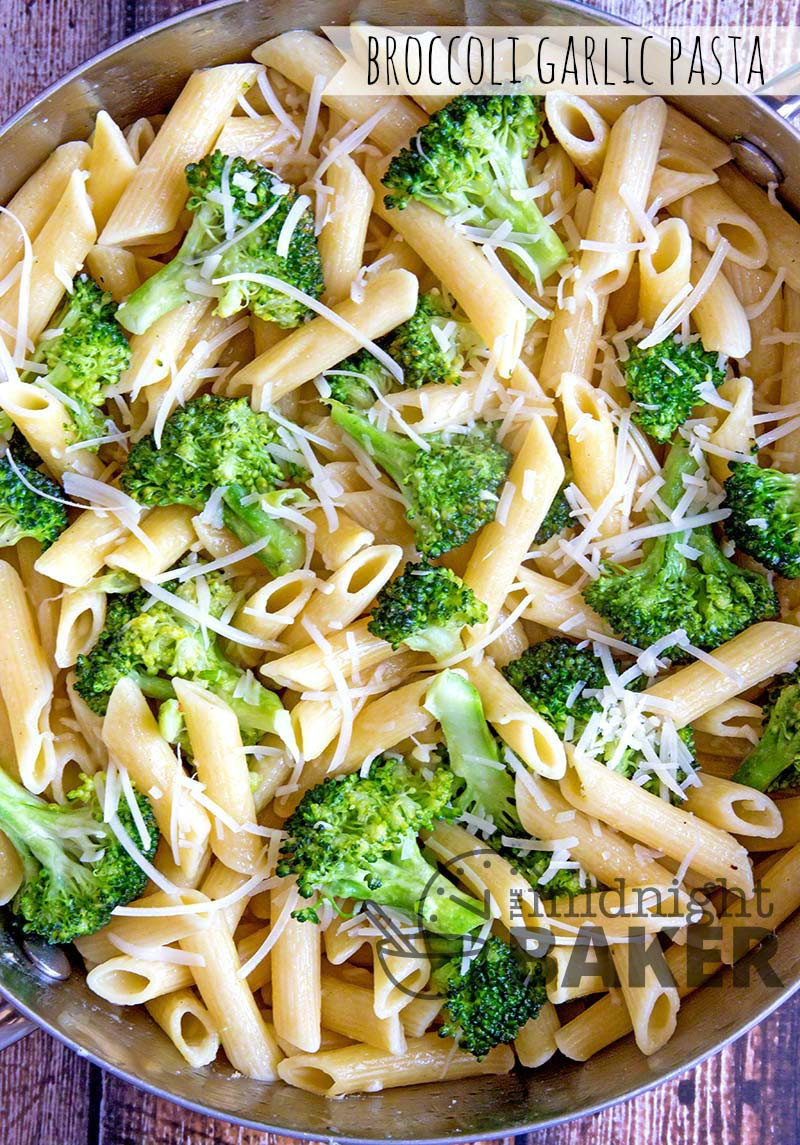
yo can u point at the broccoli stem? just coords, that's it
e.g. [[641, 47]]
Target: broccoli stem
[[471, 748], [29, 823], [392, 452], [284, 551], [546, 251], [166, 289], [778, 748], [417, 888]]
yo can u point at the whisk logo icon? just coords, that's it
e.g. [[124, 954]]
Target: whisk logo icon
[[402, 950]]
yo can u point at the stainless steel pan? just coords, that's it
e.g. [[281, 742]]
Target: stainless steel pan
[[142, 76]]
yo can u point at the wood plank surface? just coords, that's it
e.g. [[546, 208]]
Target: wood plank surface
[[747, 1095]]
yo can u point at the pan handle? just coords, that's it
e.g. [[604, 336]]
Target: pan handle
[[13, 1025]]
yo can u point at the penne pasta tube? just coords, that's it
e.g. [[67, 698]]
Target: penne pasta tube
[[45, 422], [535, 1043], [489, 303], [111, 168], [249, 137], [592, 446], [719, 316], [153, 199], [789, 834], [295, 959], [560, 989], [747, 922], [516, 722], [676, 175], [364, 1069], [310, 669], [786, 451], [652, 1005], [80, 622], [711, 215], [10, 870], [781, 231], [388, 300], [763, 650], [581, 131], [188, 1025], [170, 533], [502, 544], [347, 1009], [275, 606], [302, 57], [554, 604], [26, 684], [58, 253], [734, 431], [419, 1015], [221, 765], [346, 594], [159, 930], [690, 138], [115, 269], [131, 735], [398, 978], [248, 1043], [337, 543], [129, 981], [83, 548], [664, 268], [601, 851], [36, 199], [341, 240], [620, 199], [764, 305], [157, 351], [572, 340], [735, 808], [608, 1020], [596, 790]]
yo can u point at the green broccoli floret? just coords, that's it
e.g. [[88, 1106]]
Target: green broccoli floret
[[489, 1003], [150, 642], [425, 608], [21, 449], [75, 870], [765, 515], [356, 837], [450, 489], [533, 864], [470, 160], [227, 196], [433, 344], [85, 358], [26, 508], [707, 596], [774, 763], [665, 382], [357, 381], [211, 442], [557, 518], [547, 676], [485, 788]]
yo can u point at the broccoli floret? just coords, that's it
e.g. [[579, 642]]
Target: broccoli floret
[[547, 676], [774, 763], [707, 596], [150, 642], [533, 864], [26, 508], [356, 837], [22, 451], [85, 358], [212, 442], [450, 489], [433, 345], [665, 382], [425, 608], [765, 515], [489, 1003], [485, 788], [469, 160], [557, 518], [75, 870], [357, 381], [227, 197]]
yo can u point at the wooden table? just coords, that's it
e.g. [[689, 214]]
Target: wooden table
[[749, 1094]]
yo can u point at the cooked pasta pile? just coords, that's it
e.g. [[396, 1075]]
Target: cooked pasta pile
[[400, 540]]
